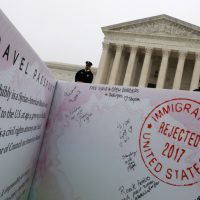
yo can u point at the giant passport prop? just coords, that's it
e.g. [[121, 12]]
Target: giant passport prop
[[98, 141], [26, 90]]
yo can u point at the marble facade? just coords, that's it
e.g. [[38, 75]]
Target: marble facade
[[159, 51]]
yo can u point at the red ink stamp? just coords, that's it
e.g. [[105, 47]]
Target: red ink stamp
[[170, 142]]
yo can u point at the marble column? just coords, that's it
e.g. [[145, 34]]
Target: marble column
[[196, 73], [179, 70], [163, 69], [145, 68], [102, 64], [116, 65], [131, 67]]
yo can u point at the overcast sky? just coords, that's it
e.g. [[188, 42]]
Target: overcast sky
[[69, 31]]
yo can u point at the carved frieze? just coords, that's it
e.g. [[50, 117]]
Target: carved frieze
[[160, 27]]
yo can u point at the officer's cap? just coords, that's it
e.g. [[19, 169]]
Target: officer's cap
[[88, 63]]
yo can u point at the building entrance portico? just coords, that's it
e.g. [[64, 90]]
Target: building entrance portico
[[160, 51]]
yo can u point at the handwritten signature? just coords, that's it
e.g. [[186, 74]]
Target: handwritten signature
[[129, 160], [125, 129], [73, 94], [79, 115]]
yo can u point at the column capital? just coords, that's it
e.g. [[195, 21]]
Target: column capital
[[105, 45], [148, 50], [119, 46], [182, 53], [166, 52], [133, 48]]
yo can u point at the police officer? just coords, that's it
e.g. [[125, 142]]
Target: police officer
[[85, 75]]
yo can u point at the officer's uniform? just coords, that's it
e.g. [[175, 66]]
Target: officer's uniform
[[84, 75]]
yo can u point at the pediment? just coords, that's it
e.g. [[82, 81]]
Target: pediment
[[162, 25]]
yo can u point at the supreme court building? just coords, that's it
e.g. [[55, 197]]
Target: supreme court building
[[159, 51]]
